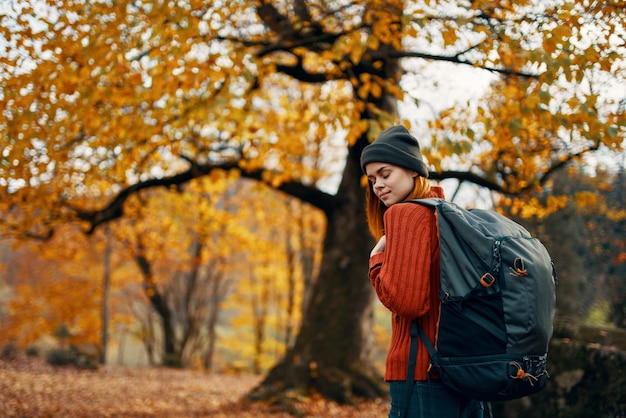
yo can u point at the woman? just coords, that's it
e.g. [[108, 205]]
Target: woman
[[404, 270]]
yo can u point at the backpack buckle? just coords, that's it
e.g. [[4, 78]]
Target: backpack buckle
[[518, 268], [487, 280]]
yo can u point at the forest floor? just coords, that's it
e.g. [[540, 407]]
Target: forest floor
[[31, 388]]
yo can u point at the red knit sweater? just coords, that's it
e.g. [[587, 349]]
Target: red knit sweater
[[406, 279]]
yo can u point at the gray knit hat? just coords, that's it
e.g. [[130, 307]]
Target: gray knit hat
[[395, 146]]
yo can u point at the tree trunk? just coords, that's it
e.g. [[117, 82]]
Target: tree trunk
[[104, 313], [171, 356], [217, 287], [215, 295], [333, 350]]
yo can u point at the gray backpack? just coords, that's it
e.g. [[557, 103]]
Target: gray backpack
[[497, 306]]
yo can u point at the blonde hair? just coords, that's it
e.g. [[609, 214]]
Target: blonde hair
[[375, 208]]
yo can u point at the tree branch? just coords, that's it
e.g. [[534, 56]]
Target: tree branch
[[306, 193], [319, 42], [115, 208], [558, 164], [466, 176], [298, 71], [456, 59]]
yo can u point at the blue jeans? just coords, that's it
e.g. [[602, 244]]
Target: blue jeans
[[431, 399]]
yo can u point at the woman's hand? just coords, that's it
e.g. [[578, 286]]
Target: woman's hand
[[380, 246]]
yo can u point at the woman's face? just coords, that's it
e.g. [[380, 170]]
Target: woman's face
[[391, 183]]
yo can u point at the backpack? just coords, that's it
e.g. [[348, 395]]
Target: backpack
[[497, 306]]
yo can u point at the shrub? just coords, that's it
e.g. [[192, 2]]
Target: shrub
[[60, 357], [84, 358], [73, 356], [8, 352], [32, 351]]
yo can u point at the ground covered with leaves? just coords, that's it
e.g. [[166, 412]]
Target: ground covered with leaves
[[31, 388]]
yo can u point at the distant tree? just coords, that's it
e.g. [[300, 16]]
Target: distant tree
[[587, 240], [54, 286]]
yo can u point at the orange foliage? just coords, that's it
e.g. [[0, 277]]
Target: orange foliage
[[54, 285]]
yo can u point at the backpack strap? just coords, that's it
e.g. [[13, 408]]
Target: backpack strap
[[426, 341], [416, 333], [432, 202], [410, 373]]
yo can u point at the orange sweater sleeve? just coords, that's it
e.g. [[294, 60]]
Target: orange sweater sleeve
[[401, 274]]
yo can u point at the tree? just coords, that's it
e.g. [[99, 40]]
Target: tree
[[184, 257], [106, 288], [587, 241], [53, 295], [109, 100]]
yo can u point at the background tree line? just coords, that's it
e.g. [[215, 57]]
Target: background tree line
[[238, 261]]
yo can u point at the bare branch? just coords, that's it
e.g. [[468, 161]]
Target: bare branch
[[467, 176], [115, 208], [456, 59]]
